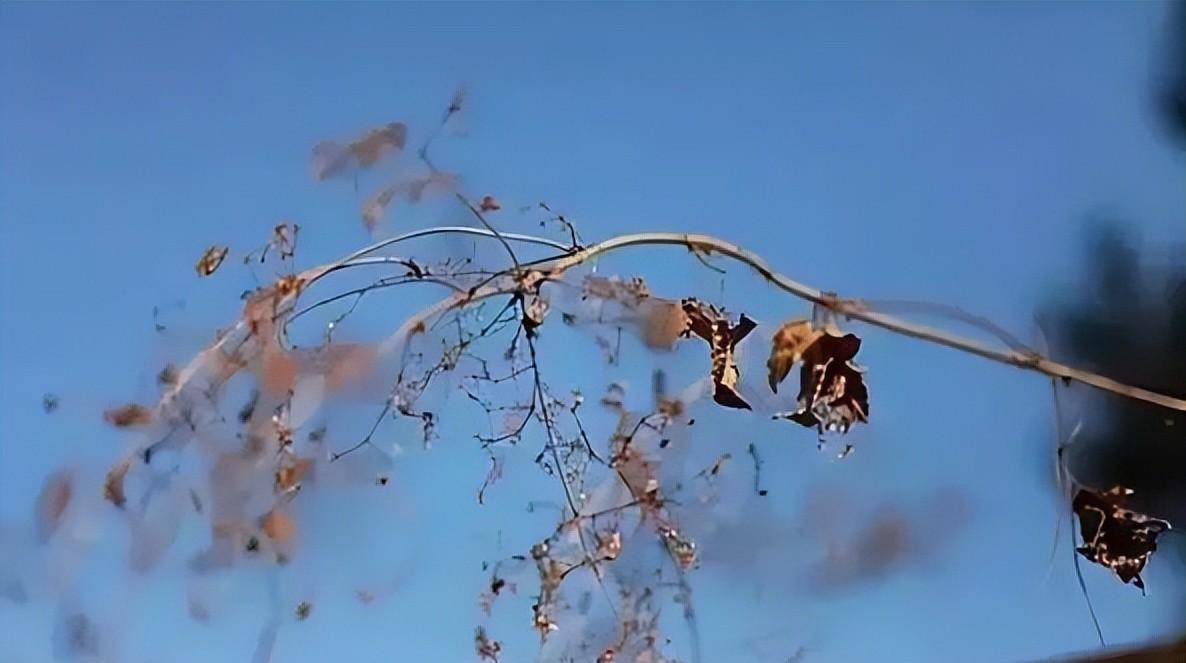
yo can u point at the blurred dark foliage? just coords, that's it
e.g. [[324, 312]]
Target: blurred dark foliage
[[1129, 323], [1172, 92]]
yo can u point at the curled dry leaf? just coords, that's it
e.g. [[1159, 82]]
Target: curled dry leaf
[[790, 341], [55, 495], [113, 486], [278, 526], [1115, 536], [210, 260], [489, 204], [832, 390], [132, 414], [712, 325]]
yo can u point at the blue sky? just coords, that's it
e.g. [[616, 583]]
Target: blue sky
[[946, 153]]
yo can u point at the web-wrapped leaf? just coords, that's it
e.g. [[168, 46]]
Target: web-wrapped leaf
[[1115, 536]]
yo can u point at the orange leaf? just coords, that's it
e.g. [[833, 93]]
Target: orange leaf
[[132, 414], [113, 487]]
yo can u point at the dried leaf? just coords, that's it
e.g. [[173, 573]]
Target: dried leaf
[[1115, 536], [55, 495], [210, 260], [832, 390], [132, 414], [710, 324], [790, 341], [113, 487], [489, 204], [378, 143]]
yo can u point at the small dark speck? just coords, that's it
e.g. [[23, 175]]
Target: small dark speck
[[763, 492], [691, 422], [663, 443], [50, 403]]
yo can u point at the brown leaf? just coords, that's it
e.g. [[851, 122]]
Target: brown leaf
[[489, 204], [1115, 536], [132, 414], [710, 324], [378, 143], [210, 260], [790, 341], [832, 390], [56, 492], [113, 487]]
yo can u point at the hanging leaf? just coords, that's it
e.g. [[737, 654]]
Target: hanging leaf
[[211, 260], [710, 324], [489, 204], [1115, 536], [832, 390], [113, 487], [790, 341]]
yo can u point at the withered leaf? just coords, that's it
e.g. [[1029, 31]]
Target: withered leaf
[[210, 260], [790, 341], [379, 142], [832, 390], [710, 324], [113, 486], [132, 414], [55, 495], [489, 204], [1115, 536]]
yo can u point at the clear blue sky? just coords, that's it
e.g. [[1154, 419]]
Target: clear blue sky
[[944, 152]]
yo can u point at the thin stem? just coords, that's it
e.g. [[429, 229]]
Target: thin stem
[[855, 309]]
